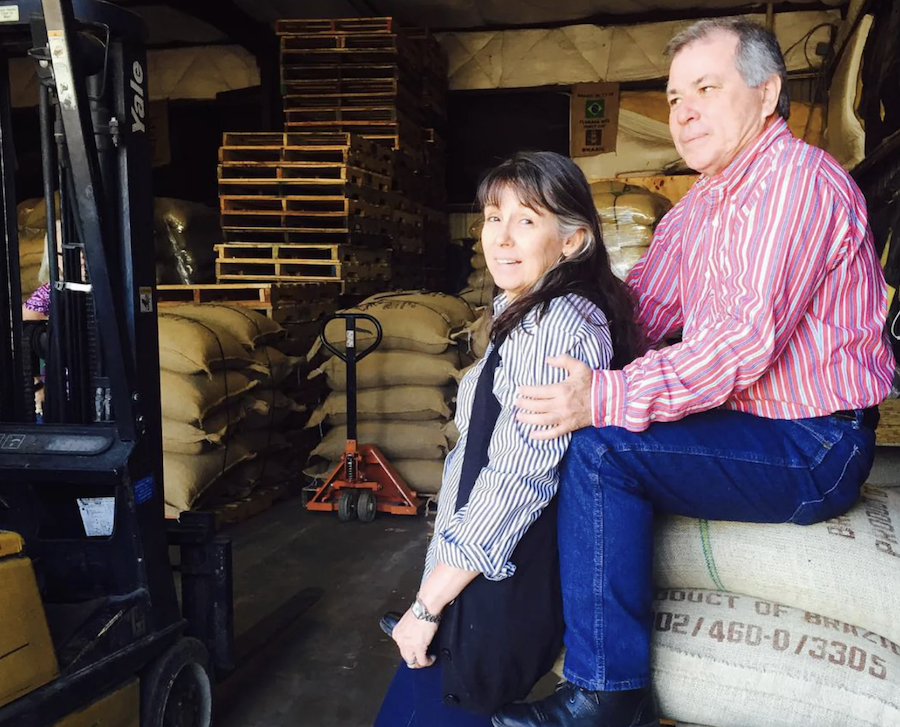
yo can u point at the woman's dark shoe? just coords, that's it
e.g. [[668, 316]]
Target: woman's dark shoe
[[389, 620], [572, 706]]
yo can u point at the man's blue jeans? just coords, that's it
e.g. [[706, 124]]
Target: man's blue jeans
[[717, 465]]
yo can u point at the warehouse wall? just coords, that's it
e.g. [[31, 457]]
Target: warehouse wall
[[481, 60], [585, 53]]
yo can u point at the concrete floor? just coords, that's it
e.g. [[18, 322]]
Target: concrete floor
[[330, 666]]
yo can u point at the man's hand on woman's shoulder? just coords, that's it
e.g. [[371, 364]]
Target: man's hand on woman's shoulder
[[561, 408]]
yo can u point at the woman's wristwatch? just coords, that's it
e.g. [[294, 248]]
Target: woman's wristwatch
[[421, 612]]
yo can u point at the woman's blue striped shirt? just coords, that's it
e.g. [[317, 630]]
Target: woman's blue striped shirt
[[522, 474]]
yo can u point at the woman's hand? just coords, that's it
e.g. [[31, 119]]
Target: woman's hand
[[413, 636]]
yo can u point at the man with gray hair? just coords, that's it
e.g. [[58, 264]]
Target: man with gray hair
[[764, 411]]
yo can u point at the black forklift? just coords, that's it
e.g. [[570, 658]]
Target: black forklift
[[92, 631]]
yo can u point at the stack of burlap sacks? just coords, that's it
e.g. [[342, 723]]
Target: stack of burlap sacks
[[405, 388], [31, 219], [628, 216], [479, 290], [781, 625], [465, 232], [223, 407]]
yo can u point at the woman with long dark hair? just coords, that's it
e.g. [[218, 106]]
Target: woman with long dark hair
[[487, 621]]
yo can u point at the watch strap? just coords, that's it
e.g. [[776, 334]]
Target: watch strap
[[421, 612]]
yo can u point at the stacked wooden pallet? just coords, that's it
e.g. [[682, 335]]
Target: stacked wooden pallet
[[369, 77], [298, 307], [305, 207], [358, 75]]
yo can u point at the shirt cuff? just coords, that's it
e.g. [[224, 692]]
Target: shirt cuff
[[608, 399], [467, 556]]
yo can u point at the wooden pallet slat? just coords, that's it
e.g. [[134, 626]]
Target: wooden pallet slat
[[354, 238], [247, 195], [304, 207], [300, 255], [321, 179], [349, 77], [329, 99], [270, 270], [350, 56], [343, 114], [313, 205], [290, 252], [235, 166], [240, 296], [336, 25], [378, 41], [246, 225], [295, 271], [254, 162], [253, 138], [274, 300], [393, 141], [289, 156], [276, 140], [365, 129], [381, 46]]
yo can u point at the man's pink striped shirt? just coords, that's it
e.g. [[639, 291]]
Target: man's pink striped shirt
[[770, 270]]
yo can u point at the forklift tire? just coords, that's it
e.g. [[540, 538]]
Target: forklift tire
[[347, 506], [366, 506], [176, 689]]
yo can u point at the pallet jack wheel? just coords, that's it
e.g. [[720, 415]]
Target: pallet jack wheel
[[176, 689], [365, 506], [347, 505]]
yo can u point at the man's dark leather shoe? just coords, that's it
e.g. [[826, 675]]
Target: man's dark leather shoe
[[389, 620], [573, 706]]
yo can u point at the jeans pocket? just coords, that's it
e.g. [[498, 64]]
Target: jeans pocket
[[815, 437]]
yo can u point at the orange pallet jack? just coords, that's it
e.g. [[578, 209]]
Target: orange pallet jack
[[364, 482]]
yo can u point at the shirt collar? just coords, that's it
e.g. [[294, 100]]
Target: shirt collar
[[735, 172], [500, 304]]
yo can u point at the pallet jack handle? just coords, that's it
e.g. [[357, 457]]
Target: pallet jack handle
[[350, 357], [365, 482]]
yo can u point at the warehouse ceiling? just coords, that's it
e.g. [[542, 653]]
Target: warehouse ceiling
[[458, 14], [213, 21]]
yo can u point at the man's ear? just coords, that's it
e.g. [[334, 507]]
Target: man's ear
[[573, 243], [771, 90]]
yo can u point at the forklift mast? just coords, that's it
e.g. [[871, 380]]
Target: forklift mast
[[83, 486]]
